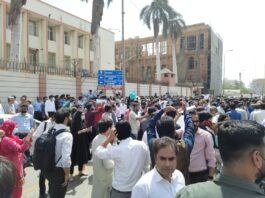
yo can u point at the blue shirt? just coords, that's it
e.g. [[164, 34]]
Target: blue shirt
[[249, 110], [24, 122], [188, 136], [61, 102], [37, 106], [234, 115], [31, 109]]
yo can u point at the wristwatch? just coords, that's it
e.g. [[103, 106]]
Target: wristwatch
[[210, 177]]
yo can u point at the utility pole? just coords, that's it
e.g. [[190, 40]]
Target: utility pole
[[123, 48], [224, 70]]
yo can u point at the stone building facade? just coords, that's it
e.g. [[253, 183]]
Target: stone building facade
[[199, 52]]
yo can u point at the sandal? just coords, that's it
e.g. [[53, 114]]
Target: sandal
[[81, 174]]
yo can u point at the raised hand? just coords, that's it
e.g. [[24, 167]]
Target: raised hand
[[112, 135]]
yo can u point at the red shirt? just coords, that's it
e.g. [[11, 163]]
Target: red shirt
[[126, 114], [92, 117]]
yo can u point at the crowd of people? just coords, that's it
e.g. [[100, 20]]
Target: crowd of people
[[141, 147]]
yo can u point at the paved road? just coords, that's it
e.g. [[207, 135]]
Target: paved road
[[80, 187]]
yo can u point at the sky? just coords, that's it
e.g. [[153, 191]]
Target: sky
[[240, 24]]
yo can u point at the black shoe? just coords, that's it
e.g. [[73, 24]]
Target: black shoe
[[27, 164], [43, 196], [81, 174]]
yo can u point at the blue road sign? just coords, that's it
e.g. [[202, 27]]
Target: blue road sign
[[110, 77]]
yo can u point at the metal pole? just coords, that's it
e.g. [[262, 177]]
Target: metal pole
[[224, 79], [123, 48], [224, 71]]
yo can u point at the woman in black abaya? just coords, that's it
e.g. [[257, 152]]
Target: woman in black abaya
[[80, 149]]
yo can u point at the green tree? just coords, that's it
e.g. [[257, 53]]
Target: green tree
[[14, 23], [157, 14], [176, 23], [97, 13], [236, 84]]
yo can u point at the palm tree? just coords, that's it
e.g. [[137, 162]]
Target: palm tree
[[97, 13], [14, 23], [157, 14], [176, 23]]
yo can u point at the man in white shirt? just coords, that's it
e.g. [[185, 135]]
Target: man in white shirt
[[259, 116], [10, 107], [215, 114], [123, 108], [221, 107], [256, 109], [131, 158], [59, 177], [117, 111], [24, 124], [164, 180], [134, 119], [50, 106], [108, 114]]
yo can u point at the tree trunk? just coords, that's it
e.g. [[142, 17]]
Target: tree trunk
[[97, 12], [15, 40], [96, 50], [158, 75], [174, 60], [14, 22]]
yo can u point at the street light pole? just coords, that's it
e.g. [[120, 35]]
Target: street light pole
[[224, 71], [123, 47]]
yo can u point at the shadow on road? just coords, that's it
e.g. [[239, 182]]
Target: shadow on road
[[90, 180], [76, 182]]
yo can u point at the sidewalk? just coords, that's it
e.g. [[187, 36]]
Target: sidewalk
[[80, 187]]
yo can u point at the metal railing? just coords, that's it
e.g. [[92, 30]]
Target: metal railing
[[42, 68], [61, 71]]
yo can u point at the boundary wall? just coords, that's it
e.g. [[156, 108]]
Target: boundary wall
[[32, 85]]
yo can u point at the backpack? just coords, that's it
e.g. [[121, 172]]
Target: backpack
[[44, 153]]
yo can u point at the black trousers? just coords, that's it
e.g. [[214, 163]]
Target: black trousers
[[196, 177], [51, 113], [38, 115], [42, 185], [56, 179]]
